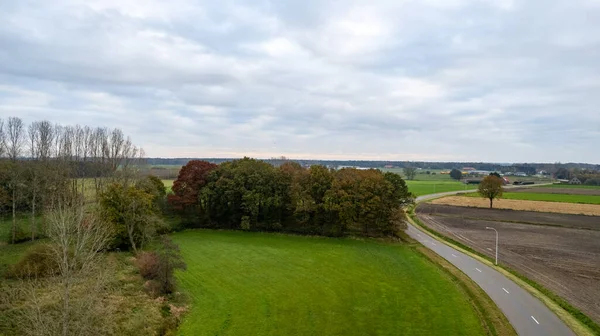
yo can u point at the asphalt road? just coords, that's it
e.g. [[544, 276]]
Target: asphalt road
[[527, 314]]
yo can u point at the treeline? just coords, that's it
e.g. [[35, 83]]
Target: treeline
[[529, 168], [42, 161], [250, 194], [585, 176]]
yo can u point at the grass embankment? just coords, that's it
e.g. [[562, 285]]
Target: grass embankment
[[580, 323], [540, 196], [244, 283]]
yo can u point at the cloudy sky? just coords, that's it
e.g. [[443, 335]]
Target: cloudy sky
[[438, 80]]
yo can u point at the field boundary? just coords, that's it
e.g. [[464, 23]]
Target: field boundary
[[494, 321], [580, 323]]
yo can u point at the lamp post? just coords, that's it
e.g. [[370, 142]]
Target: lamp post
[[489, 228]]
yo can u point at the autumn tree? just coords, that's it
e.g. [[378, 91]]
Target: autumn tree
[[456, 174], [192, 177], [410, 172], [491, 187]]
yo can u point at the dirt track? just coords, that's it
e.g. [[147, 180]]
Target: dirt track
[[554, 207], [565, 260]]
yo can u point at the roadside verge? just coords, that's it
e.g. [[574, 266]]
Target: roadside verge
[[572, 317]]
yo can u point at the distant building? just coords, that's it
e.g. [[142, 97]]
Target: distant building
[[388, 166], [574, 180], [520, 174], [468, 168]]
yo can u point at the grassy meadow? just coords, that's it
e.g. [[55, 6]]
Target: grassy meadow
[[420, 188], [573, 186], [536, 196], [243, 283]]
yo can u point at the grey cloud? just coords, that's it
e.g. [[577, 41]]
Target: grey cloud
[[463, 79]]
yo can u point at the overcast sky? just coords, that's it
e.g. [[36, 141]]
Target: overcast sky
[[434, 80]]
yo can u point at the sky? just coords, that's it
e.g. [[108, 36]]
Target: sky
[[424, 80]]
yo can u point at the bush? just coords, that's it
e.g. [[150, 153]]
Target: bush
[[158, 267], [38, 261], [20, 235], [148, 265]]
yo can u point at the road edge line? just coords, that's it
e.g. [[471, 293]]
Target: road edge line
[[571, 321]]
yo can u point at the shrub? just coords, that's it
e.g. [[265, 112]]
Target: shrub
[[38, 261], [148, 265], [20, 235]]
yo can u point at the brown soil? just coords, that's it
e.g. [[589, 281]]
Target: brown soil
[[569, 191], [506, 215], [564, 260], [554, 207]]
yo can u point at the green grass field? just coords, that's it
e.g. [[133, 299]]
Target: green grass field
[[243, 283], [168, 185], [574, 186], [564, 198], [420, 188]]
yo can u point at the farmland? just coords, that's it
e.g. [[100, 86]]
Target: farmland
[[272, 284], [553, 207], [558, 251], [420, 188], [547, 197]]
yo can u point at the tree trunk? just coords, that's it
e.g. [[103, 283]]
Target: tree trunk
[[33, 228], [491, 202], [14, 215]]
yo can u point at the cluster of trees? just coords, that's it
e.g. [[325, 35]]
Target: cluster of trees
[[42, 160], [250, 194], [585, 176]]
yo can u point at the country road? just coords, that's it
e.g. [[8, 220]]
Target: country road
[[527, 314]]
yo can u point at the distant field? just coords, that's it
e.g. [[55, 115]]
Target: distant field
[[168, 185], [420, 188], [243, 283], [534, 196], [525, 205], [574, 186]]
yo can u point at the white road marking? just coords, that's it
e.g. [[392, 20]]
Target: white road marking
[[434, 243], [454, 255], [507, 291], [478, 269], [535, 320], [489, 248]]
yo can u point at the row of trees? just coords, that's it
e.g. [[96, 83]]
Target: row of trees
[[250, 194], [42, 160]]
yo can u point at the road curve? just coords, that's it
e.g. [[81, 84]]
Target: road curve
[[527, 314]]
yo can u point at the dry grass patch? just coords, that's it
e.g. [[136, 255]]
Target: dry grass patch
[[522, 205]]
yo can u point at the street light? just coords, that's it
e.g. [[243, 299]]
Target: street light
[[489, 228]]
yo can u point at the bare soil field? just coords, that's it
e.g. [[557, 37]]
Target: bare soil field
[[553, 207], [507, 215], [564, 259], [568, 191]]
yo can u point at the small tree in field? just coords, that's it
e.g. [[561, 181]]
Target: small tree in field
[[490, 188], [409, 172], [455, 174]]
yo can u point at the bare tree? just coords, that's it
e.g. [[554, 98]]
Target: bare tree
[[77, 239], [2, 138], [15, 136], [13, 142]]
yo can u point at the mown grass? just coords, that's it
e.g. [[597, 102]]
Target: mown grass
[[563, 198], [420, 188], [244, 283]]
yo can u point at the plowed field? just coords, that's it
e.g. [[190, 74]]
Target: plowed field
[[561, 252]]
